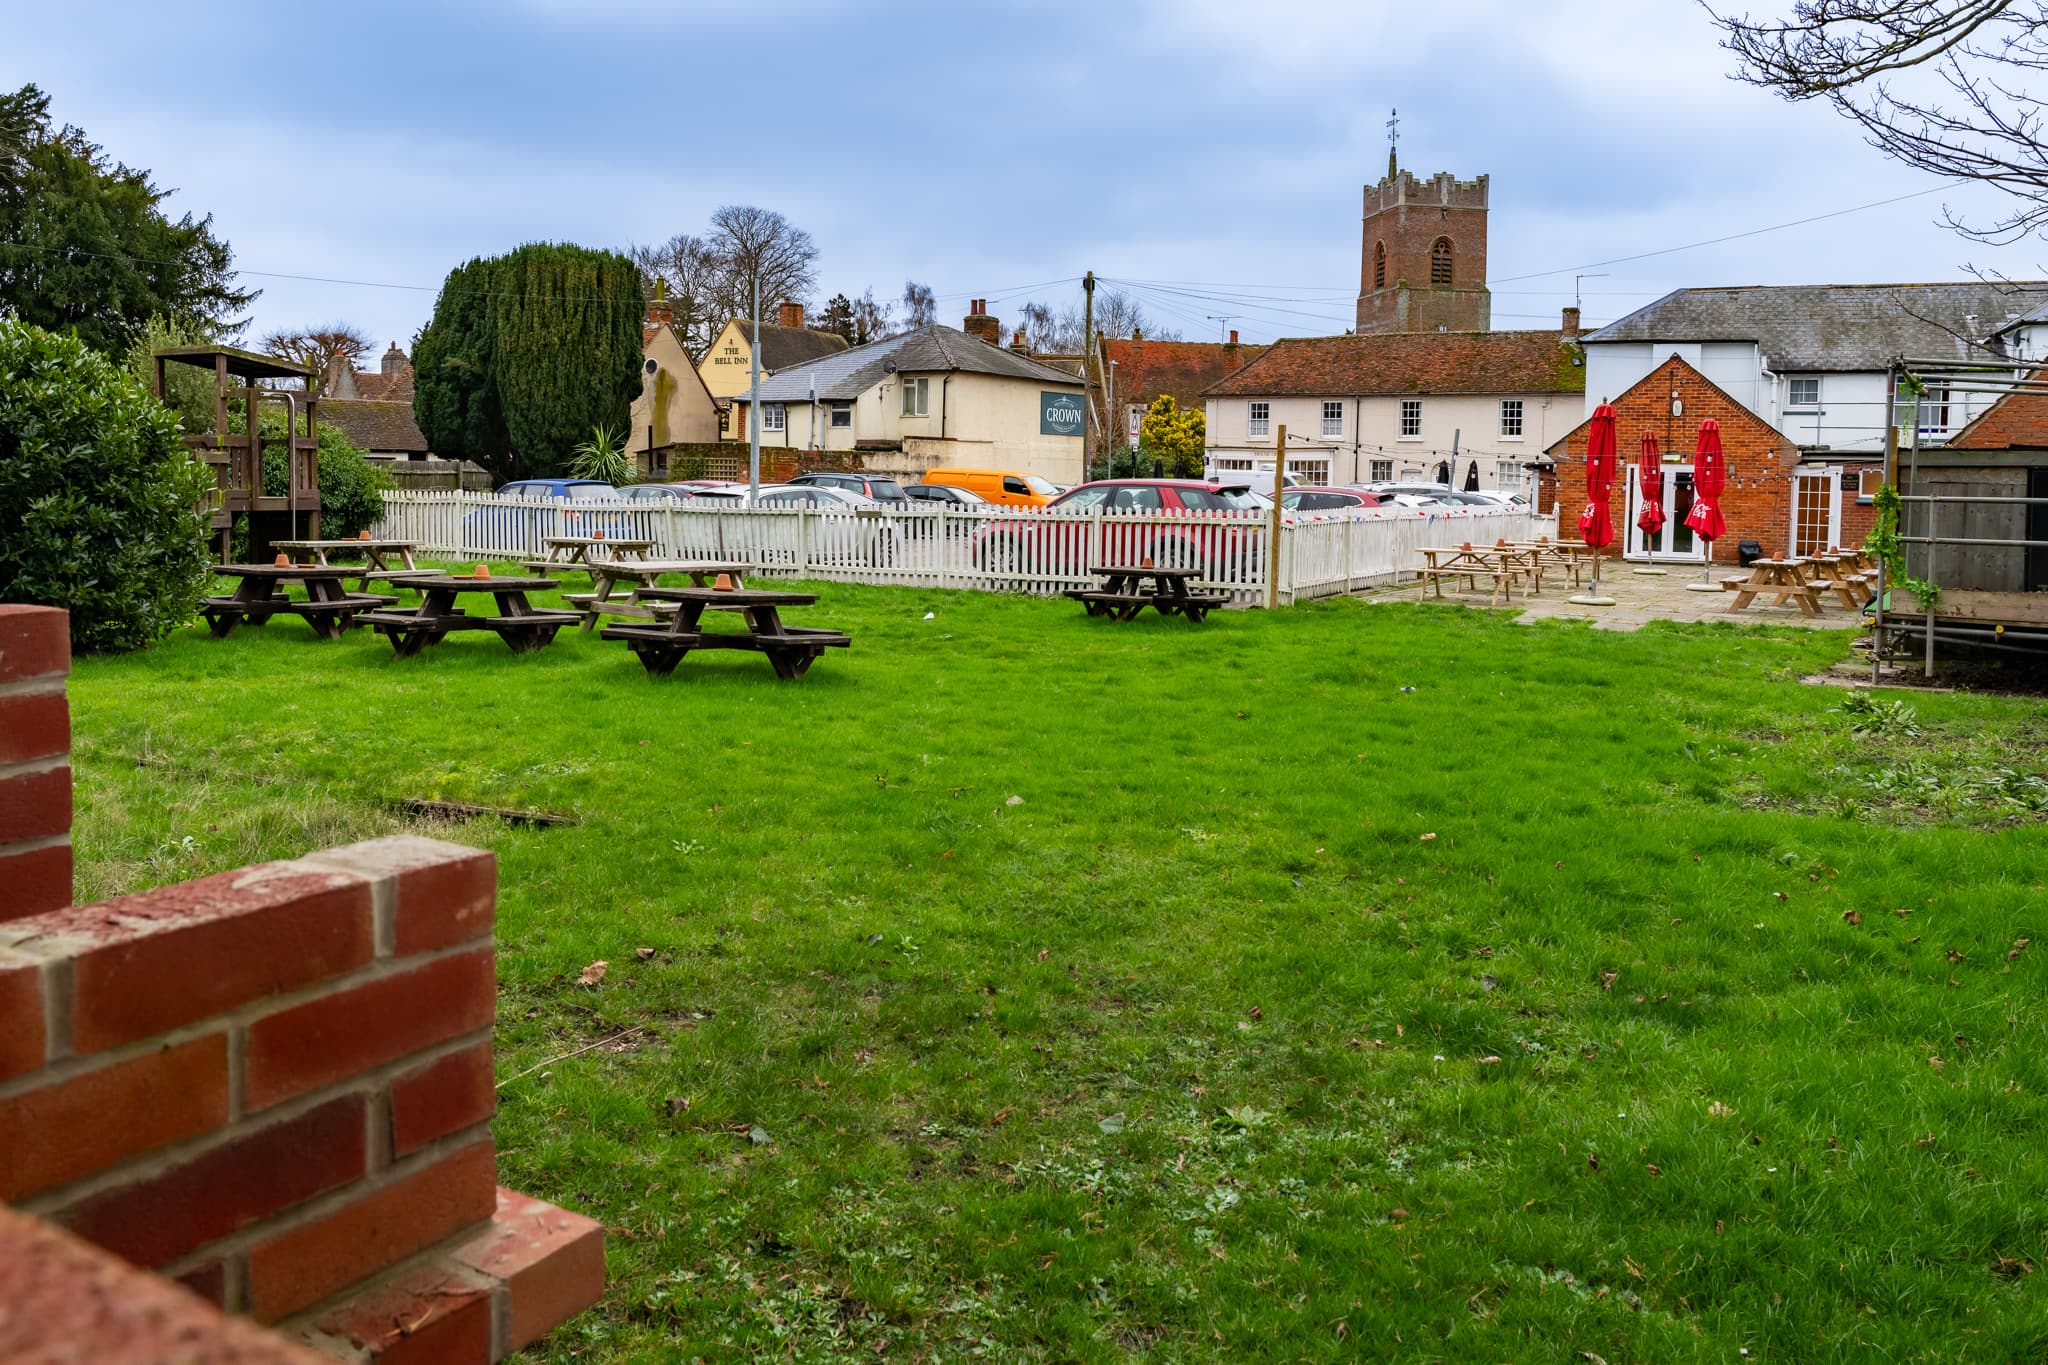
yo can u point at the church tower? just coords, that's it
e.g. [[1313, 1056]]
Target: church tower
[[1423, 258]]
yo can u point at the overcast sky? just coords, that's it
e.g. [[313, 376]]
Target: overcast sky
[[1213, 149]]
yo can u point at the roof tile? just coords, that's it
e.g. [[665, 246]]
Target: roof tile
[[1380, 364]]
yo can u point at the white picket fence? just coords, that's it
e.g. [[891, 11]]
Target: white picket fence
[[992, 549]]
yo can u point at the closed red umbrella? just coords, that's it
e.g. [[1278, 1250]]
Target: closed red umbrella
[[1650, 479], [1596, 526], [1709, 481]]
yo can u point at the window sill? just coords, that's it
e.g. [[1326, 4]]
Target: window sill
[[1516, 440], [1408, 438]]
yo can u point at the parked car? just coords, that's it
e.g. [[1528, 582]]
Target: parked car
[[1060, 540], [679, 492], [880, 488], [1004, 487], [944, 494], [870, 540], [520, 528], [1314, 499]]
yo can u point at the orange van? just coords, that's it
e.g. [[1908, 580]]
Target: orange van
[[1004, 486]]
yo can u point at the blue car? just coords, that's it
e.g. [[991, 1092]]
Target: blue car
[[519, 529]]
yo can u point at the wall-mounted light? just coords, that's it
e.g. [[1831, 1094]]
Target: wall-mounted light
[[1677, 404]]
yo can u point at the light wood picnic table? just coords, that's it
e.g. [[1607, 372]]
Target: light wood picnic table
[[1832, 574], [377, 556], [607, 574], [1572, 556], [1503, 564], [569, 553], [330, 609], [1781, 579]]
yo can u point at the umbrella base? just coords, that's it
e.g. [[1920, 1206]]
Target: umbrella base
[[1588, 600], [1651, 573], [1702, 587]]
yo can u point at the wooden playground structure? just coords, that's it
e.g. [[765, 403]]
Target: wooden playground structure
[[236, 458]]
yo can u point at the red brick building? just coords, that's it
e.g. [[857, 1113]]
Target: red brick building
[[1422, 255], [1783, 504], [1183, 370]]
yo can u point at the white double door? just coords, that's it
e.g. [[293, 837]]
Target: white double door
[[1674, 543]]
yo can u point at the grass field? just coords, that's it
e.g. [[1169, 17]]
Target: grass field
[[1024, 986]]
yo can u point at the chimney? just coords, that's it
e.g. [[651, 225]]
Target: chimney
[[1137, 334], [1019, 344], [980, 325], [1571, 322], [1233, 336], [790, 314], [394, 360]]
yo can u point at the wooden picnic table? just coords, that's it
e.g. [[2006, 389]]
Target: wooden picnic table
[[1572, 556], [329, 608], [790, 649], [1503, 564], [376, 566], [521, 625], [1832, 573], [1125, 592], [569, 553], [1781, 579], [607, 574]]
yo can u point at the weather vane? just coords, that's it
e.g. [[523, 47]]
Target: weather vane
[[1394, 127]]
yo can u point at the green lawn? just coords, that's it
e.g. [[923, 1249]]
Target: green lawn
[[1026, 986]]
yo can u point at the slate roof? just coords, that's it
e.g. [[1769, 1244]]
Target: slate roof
[[848, 374], [377, 426], [2018, 421], [1834, 327], [1385, 363], [782, 346], [1185, 369]]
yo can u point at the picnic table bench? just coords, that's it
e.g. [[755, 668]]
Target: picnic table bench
[[377, 555], [1781, 579], [1838, 574], [329, 608], [1124, 593], [1503, 564], [607, 574], [521, 625], [790, 649], [1571, 556], [568, 554]]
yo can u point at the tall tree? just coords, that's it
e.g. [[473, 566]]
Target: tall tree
[[527, 354], [85, 245], [919, 307], [1941, 85], [318, 347], [838, 317], [694, 275], [756, 246], [871, 320]]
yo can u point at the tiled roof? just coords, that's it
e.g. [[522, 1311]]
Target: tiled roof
[[392, 388], [928, 350], [1387, 363], [1185, 369], [2018, 421], [378, 427], [1835, 327], [782, 346]]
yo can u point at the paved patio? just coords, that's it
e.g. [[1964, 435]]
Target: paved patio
[[1638, 598]]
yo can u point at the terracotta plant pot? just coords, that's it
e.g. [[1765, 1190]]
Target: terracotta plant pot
[[282, 561], [1145, 563], [482, 571], [362, 535], [723, 583]]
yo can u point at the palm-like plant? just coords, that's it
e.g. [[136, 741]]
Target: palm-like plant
[[602, 457]]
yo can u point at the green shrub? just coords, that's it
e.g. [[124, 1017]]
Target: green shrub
[[351, 485], [99, 498]]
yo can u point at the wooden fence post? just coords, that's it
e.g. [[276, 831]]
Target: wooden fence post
[[1273, 520]]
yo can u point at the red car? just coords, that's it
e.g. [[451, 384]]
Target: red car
[[1315, 499], [1189, 527]]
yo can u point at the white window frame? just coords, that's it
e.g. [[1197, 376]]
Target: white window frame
[[1258, 419], [840, 416], [774, 417], [1511, 419], [1381, 471], [1333, 417], [917, 397], [1411, 416], [1311, 472], [1793, 403]]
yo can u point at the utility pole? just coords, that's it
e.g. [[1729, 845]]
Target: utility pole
[[1088, 370], [1273, 520], [754, 404]]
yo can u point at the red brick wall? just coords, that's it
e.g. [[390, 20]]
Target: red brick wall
[[1408, 214], [35, 765], [1758, 501]]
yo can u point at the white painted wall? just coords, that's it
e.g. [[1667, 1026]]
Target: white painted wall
[[1371, 431]]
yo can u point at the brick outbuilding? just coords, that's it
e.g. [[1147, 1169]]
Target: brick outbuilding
[[1766, 475]]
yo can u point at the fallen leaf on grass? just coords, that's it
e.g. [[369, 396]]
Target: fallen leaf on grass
[[1607, 980], [1852, 917], [1397, 1214], [1256, 1012], [759, 1136], [1593, 1161], [1935, 1061], [1013, 800], [643, 953], [1953, 955], [1427, 837], [678, 1105], [1655, 1173], [1489, 1061], [594, 973], [2019, 945], [2012, 1267], [1112, 1124], [1044, 953], [1489, 983]]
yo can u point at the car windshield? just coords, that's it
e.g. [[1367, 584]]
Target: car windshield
[[1081, 499], [1042, 487], [885, 489], [591, 492]]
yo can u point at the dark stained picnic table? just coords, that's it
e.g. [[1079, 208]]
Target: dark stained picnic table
[[1124, 593], [376, 567], [329, 608], [521, 625], [790, 649]]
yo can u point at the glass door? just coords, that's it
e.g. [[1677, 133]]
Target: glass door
[[1674, 542], [1816, 511]]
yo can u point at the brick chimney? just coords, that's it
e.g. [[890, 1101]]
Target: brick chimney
[[1233, 336], [1571, 322], [1019, 344], [394, 360], [1137, 334], [979, 325], [790, 314]]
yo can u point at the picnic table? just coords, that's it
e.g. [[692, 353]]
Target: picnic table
[[790, 649], [329, 608], [1124, 592], [1781, 579], [607, 574], [1834, 573], [376, 567], [521, 625], [567, 554], [1503, 564], [1572, 556]]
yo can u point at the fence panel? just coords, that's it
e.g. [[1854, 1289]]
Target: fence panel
[[991, 549]]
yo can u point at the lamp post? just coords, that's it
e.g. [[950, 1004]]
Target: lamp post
[[754, 404]]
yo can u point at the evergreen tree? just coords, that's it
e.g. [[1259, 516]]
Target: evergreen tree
[[527, 353], [839, 318]]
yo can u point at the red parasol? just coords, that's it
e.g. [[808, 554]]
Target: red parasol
[[1596, 527], [1650, 480], [1709, 481]]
